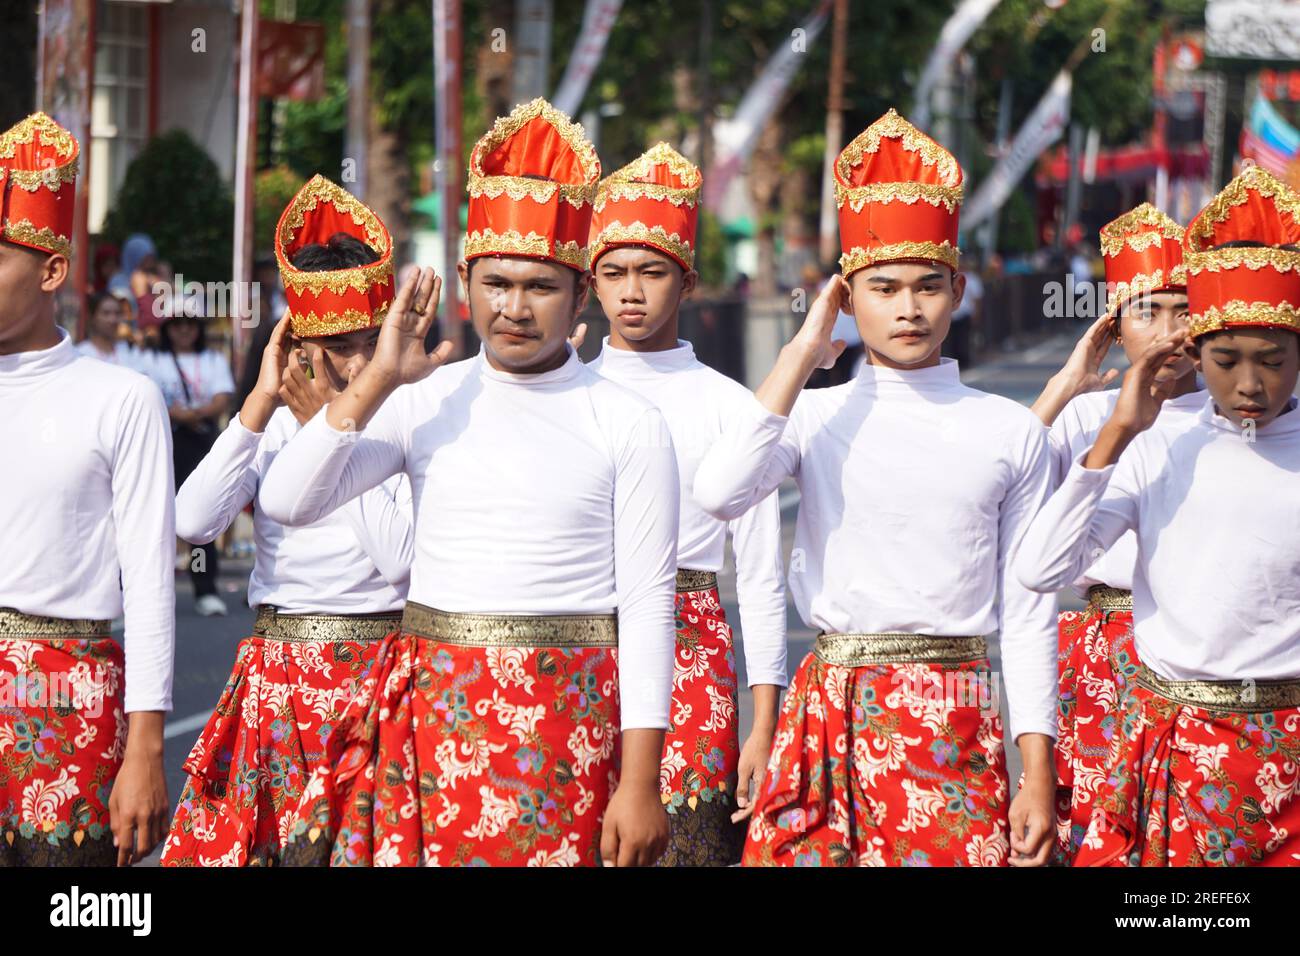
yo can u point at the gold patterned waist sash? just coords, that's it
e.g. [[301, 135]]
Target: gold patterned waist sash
[[35, 627], [862, 650], [1107, 600], [273, 625], [511, 630], [1235, 696], [688, 580]]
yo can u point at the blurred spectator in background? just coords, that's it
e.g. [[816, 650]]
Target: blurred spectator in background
[[108, 331], [133, 279], [107, 260], [197, 385], [1081, 264], [270, 309], [958, 343]]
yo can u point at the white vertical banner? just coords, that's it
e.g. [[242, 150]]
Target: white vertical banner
[[964, 21], [1043, 128], [734, 140], [597, 24]]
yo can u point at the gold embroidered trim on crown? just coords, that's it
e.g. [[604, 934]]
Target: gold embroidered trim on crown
[[661, 154], [513, 243], [51, 177], [1137, 241], [1252, 257], [16, 625], [858, 258], [909, 192], [273, 625], [1241, 313], [611, 191], [360, 278], [862, 650], [25, 231], [52, 134], [539, 190], [507, 126], [893, 126], [638, 232], [510, 630], [1139, 228], [311, 325], [1144, 282], [1240, 697], [1254, 179]]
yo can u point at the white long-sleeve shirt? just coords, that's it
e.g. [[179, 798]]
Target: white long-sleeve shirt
[[554, 493], [915, 491], [697, 402], [85, 495], [1216, 586], [1074, 431], [356, 560]]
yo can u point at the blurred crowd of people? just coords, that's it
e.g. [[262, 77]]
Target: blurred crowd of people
[[138, 319]]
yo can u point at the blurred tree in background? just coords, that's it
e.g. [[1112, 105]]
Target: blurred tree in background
[[173, 192], [648, 87]]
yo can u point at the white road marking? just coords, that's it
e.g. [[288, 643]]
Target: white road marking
[[186, 725]]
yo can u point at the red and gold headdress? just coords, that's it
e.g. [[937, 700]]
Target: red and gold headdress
[[1250, 285], [1143, 252], [532, 181], [652, 201], [898, 193], [38, 184], [340, 300]]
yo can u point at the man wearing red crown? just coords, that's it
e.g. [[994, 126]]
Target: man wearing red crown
[[1203, 769], [642, 255], [1147, 284], [325, 593], [86, 521], [518, 717], [915, 493]]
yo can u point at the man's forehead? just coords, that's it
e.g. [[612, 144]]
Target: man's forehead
[[520, 268], [1166, 298], [342, 338], [1254, 339], [906, 272], [633, 257]]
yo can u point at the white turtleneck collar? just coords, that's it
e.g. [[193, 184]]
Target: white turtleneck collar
[[22, 367], [943, 375], [571, 367], [627, 362], [1286, 424]]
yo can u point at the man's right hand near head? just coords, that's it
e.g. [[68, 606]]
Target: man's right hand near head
[[399, 358]]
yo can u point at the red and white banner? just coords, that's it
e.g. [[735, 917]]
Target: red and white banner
[[597, 22], [734, 139], [1043, 128], [965, 20]]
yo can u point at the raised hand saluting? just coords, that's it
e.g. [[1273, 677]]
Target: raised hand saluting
[[399, 358], [1140, 398]]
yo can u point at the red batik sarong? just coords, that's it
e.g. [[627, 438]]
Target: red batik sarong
[[896, 762], [247, 771], [1089, 640], [62, 738], [476, 740], [1202, 774], [697, 777]]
